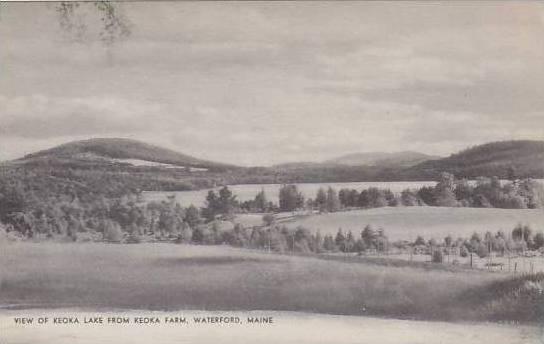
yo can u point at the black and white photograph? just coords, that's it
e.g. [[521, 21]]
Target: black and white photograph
[[262, 172]]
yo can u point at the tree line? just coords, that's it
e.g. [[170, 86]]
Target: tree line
[[34, 204]]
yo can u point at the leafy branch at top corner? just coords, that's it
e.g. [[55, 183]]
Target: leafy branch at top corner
[[74, 20], [115, 26]]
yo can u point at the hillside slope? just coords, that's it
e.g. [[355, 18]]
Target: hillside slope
[[503, 159], [105, 149]]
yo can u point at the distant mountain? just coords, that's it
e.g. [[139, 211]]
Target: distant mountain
[[502, 159], [161, 167], [398, 159], [301, 165], [120, 150]]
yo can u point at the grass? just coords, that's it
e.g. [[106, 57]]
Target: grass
[[173, 277], [406, 223]]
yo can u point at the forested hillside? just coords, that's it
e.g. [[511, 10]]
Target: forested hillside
[[505, 159], [104, 149]]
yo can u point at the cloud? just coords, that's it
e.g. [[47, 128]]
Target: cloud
[[39, 116], [261, 83]]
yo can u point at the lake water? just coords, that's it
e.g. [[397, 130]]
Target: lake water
[[246, 192]]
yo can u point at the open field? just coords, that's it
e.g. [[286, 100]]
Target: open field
[[295, 328], [406, 223], [171, 277]]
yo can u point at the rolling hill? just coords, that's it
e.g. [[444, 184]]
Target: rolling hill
[[120, 150], [523, 158], [503, 159]]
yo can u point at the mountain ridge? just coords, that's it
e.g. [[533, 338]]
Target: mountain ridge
[[524, 158]]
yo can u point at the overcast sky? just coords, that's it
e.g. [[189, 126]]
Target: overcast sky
[[263, 83]]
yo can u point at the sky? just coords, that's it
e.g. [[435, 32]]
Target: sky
[[258, 83]]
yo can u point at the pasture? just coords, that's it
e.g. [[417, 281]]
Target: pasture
[[173, 277], [406, 223]]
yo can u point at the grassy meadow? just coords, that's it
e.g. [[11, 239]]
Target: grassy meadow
[[406, 223], [172, 277]]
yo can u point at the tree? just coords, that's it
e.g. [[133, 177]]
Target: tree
[[333, 203], [328, 244], [192, 216], [419, 241], [321, 200], [12, 199], [223, 204], [290, 198], [438, 256], [482, 250], [212, 206], [369, 237], [261, 202], [538, 240], [344, 195], [527, 233], [340, 239], [463, 192], [517, 232], [318, 243], [427, 195], [376, 198], [444, 193], [349, 243], [227, 202], [269, 219], [448, 241], [382, 242], [112, 231], [409, 198], [185, 234]]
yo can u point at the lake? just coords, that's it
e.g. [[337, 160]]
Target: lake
[[246, 192]]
